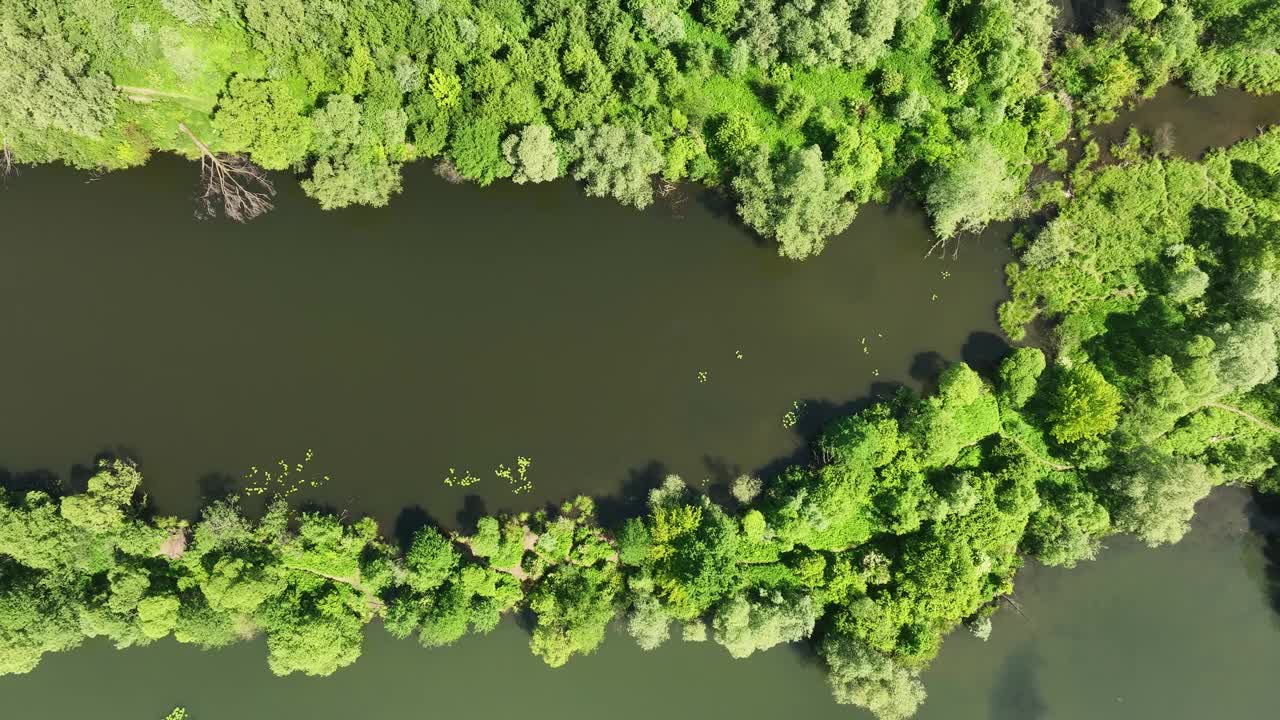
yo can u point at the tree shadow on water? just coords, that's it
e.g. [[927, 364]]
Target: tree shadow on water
[[983, 351], [1016, 694], [28, 480], [217, 486], [409, 521], [1264, 520], [473, 508], [612, 510], [926, 367]]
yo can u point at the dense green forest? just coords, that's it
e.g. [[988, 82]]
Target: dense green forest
[[1156, 383], [800, 110]]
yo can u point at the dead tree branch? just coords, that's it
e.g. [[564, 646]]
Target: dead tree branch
[[231, 185]]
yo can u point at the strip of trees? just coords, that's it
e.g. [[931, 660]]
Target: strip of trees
[[801, 110]]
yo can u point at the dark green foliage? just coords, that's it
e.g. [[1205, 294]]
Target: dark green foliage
[[573, 605], [1019, 375]]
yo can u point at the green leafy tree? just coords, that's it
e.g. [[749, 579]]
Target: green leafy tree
[[573, 606], [1019, 375], [353, 164], [617, 161], [1085, 405], [863, 677], [477, 151], [800, 204], [1155, 495], [748, 622], [265, 119], [974, 189], [533, 154]]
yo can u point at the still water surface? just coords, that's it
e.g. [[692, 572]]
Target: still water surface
[[460, 328]]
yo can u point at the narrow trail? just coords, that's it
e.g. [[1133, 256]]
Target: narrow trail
[[1246, 415], [354, 582], [1036, 456], [143, 94]]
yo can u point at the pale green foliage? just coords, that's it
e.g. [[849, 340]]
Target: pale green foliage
[[1069, 524], [800, 204], [662, 22], [1188, 285], [866, 678], [617, 161], [648, 622], [748, 622], [533, 154], [1157, 493], [694, 631], [974, 189], [746, 488], [352, 165], [1245, 354], [981, 628], [46, 81]]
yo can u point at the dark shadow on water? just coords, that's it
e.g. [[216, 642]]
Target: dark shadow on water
[[315, 506], [217, 486], [473, 508], [409, 522], [926, 366], [814, 416], [28, 480], [613, 510], [1264, 520], [983, 351], [1017, 694], [720, 476]]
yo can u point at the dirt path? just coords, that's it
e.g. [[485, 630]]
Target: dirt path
[[1036, 456], [1247, 416], [145, 95]]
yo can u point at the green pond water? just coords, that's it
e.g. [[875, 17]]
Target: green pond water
[[461, 328]]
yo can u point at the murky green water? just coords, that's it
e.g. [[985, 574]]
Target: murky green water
[[460, 328]]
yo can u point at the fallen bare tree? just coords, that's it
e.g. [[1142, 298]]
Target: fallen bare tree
[[232, 186]]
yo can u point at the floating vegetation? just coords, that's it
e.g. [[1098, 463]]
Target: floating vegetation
[[282, 478], [518, 480], [702, 376], [737, 354], [792, 416], [467, 479]]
